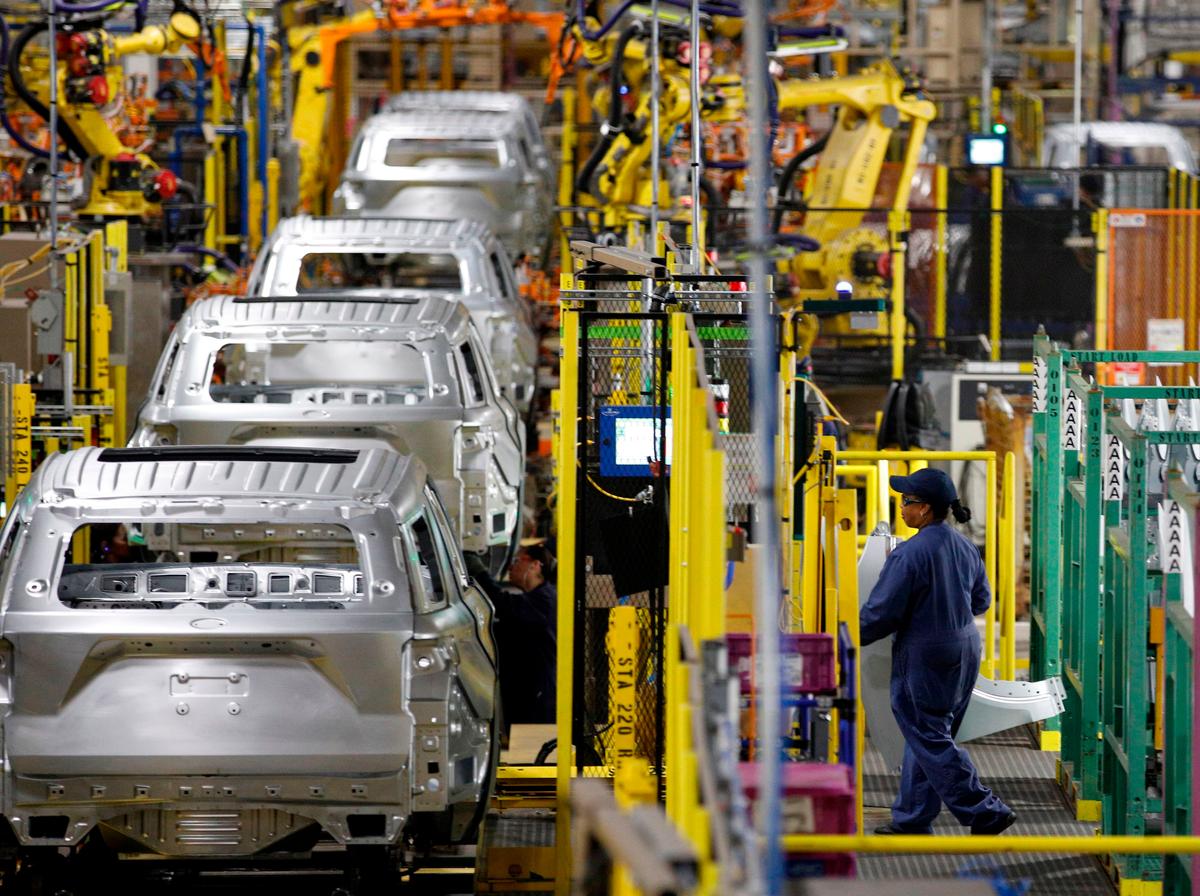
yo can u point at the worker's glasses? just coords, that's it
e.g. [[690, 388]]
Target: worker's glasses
[[908, 501]]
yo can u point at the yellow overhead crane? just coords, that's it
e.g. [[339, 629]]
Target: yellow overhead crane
[[121, 183]]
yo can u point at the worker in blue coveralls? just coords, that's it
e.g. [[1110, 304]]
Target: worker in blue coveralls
[[929, 592]]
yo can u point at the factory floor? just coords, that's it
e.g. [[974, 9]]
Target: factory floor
[[1024, 777]]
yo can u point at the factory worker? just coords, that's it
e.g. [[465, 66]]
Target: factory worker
[[526, 625], [929, 591]]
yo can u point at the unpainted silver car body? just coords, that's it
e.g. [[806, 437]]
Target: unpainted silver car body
[[443, 102], [406, 374], [468, 164], [311, 655], [462, 257]]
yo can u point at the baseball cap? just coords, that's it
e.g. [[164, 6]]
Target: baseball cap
[[930, 485]]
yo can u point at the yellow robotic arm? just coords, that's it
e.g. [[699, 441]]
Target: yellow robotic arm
[[616, 176], [871, 105], [122, 184]]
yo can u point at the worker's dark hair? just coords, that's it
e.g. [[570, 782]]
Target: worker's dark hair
[[542, 555], [962, 513]]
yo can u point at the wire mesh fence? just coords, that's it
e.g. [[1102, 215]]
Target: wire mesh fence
[[725, 340], [623, 479], [954, 293], [621, 526], [1154, 285]]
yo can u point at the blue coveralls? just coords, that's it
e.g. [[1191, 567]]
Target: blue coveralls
[[929, 591]]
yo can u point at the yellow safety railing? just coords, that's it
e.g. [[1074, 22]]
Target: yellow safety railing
[[826, 577], [997, 530], [871, 512], [923, 844]]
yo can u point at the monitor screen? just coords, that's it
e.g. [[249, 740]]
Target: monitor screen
[[630, 436], [985, 149]]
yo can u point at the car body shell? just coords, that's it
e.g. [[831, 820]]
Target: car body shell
[[489, 288], [472, 444], [467, 165], [1143, 142], [444, 102], [221, 726]]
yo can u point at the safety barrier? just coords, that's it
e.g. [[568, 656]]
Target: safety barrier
[[696, 583], [612, 644], [706, 418], [978, 248], [1000, 538], [74, 329]]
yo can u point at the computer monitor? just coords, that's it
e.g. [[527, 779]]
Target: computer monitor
[[987, 149], [630, 436]]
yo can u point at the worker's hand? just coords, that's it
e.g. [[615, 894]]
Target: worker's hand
[[476, 567]]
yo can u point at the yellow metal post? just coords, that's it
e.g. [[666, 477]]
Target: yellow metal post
[[808, 593], [622, 644], [870, 473], [995, 258], [941, 196], [272, 194], [848, 599], [210, 199], [697, 605], [829, 594], [898, 227], [116, 236], [885, 510], [1100, 228], [1010, 554], [566, 173], [568, 445], [23, 406], [677, 735], [990, 564]]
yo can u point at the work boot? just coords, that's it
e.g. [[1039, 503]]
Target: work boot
[[997, 826], [889, 829]]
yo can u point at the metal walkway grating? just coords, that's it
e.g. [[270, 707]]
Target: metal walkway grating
[[1024, 778]]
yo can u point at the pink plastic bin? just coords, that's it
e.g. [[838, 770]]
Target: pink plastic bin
[[817, 799], [808, 662]]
